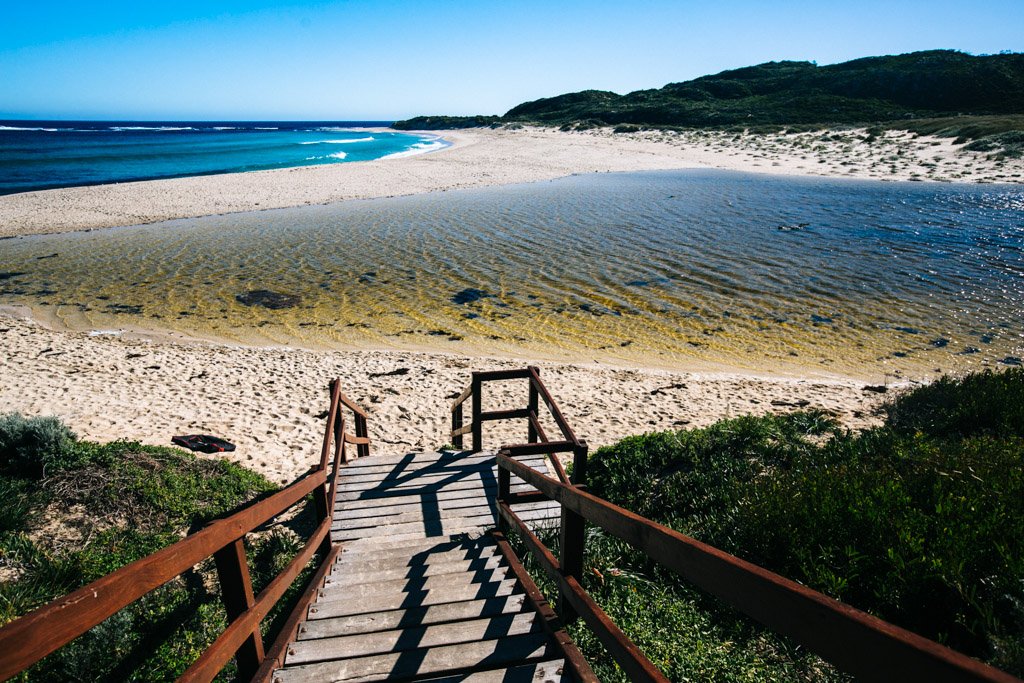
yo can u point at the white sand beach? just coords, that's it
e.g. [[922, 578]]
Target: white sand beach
[[267, 401]]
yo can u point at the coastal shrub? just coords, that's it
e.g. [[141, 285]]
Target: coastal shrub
[[35, 444], [919, 521], [110, 505], [978, 404]]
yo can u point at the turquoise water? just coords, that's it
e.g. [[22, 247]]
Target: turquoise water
[[673, 269], [36, 155]]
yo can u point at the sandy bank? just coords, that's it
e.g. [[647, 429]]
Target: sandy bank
[[267, 401], [482, 157]]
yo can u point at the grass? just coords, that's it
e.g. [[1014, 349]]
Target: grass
[[75, 511], [919, 521]]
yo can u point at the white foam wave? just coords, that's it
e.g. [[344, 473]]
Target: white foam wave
[[48, 130], [120, 129], [265, 128], [336, 142], [337, 155], [225, 128], [417, 148]]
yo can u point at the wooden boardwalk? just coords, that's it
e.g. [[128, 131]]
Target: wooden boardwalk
[[420, 590]]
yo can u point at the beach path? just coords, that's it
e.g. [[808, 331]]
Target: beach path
[[421, 587]]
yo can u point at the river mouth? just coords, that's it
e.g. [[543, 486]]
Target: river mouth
[[674, 269]]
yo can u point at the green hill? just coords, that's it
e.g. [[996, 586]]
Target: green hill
[[931, 84]]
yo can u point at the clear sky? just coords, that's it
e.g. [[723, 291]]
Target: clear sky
[[264, 59]]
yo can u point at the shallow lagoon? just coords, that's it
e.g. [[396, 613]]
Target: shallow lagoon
[[675, 269]]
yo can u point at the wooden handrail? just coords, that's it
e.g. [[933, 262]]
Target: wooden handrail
[[539, 443], [32, 637], [26, 640], [849, 638], [636, 665], [556, 412]]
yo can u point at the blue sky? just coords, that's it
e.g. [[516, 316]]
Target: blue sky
[[264, 60]]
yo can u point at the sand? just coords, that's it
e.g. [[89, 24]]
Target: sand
[[481, 157], [150, 387], [267, 401]]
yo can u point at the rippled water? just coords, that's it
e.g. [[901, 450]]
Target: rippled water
[[666, 268]]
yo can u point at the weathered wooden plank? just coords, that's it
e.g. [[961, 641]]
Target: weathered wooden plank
[[432, 481], [417, 548], [461, 486], [388, 620], [361, 562], [440, 582], [337, 605], [398, 640], [371, 572], [552, 671], [416, 460], [340, 536], [370, 508], [443, 659], [418, 523], [397, 514]]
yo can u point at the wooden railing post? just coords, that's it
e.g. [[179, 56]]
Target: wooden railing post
[[531, 434], [579, 463], [456, 426], [236, 592], [363, 449], [504, 489], [477, 410], [571, 540]]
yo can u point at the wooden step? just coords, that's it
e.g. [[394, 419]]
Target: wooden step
[[422, 512], [448, 492], [354, 561], [418, 637], [426, 467], [422, 547], [442, 659], [372, 573], [440, 582], [551, 671], [335, 604], [388, 620]]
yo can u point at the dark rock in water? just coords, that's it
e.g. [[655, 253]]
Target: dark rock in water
[[969, 350], [821, 320], [940, 343], [1012, 360], [876, 388], [40, 258], [470, 316], [438, 333], [469, 295], [985, 339], [268, 299], [900, 354], [907, 330], [9, 275], [126, 309]]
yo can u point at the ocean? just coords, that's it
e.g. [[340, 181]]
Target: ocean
[[38, 155], [672, 268]]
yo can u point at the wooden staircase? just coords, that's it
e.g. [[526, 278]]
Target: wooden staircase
[[421, 589]]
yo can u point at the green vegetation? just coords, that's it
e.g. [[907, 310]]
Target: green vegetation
[[446, 122], [919, 521], [76, 511], [899, 90]]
